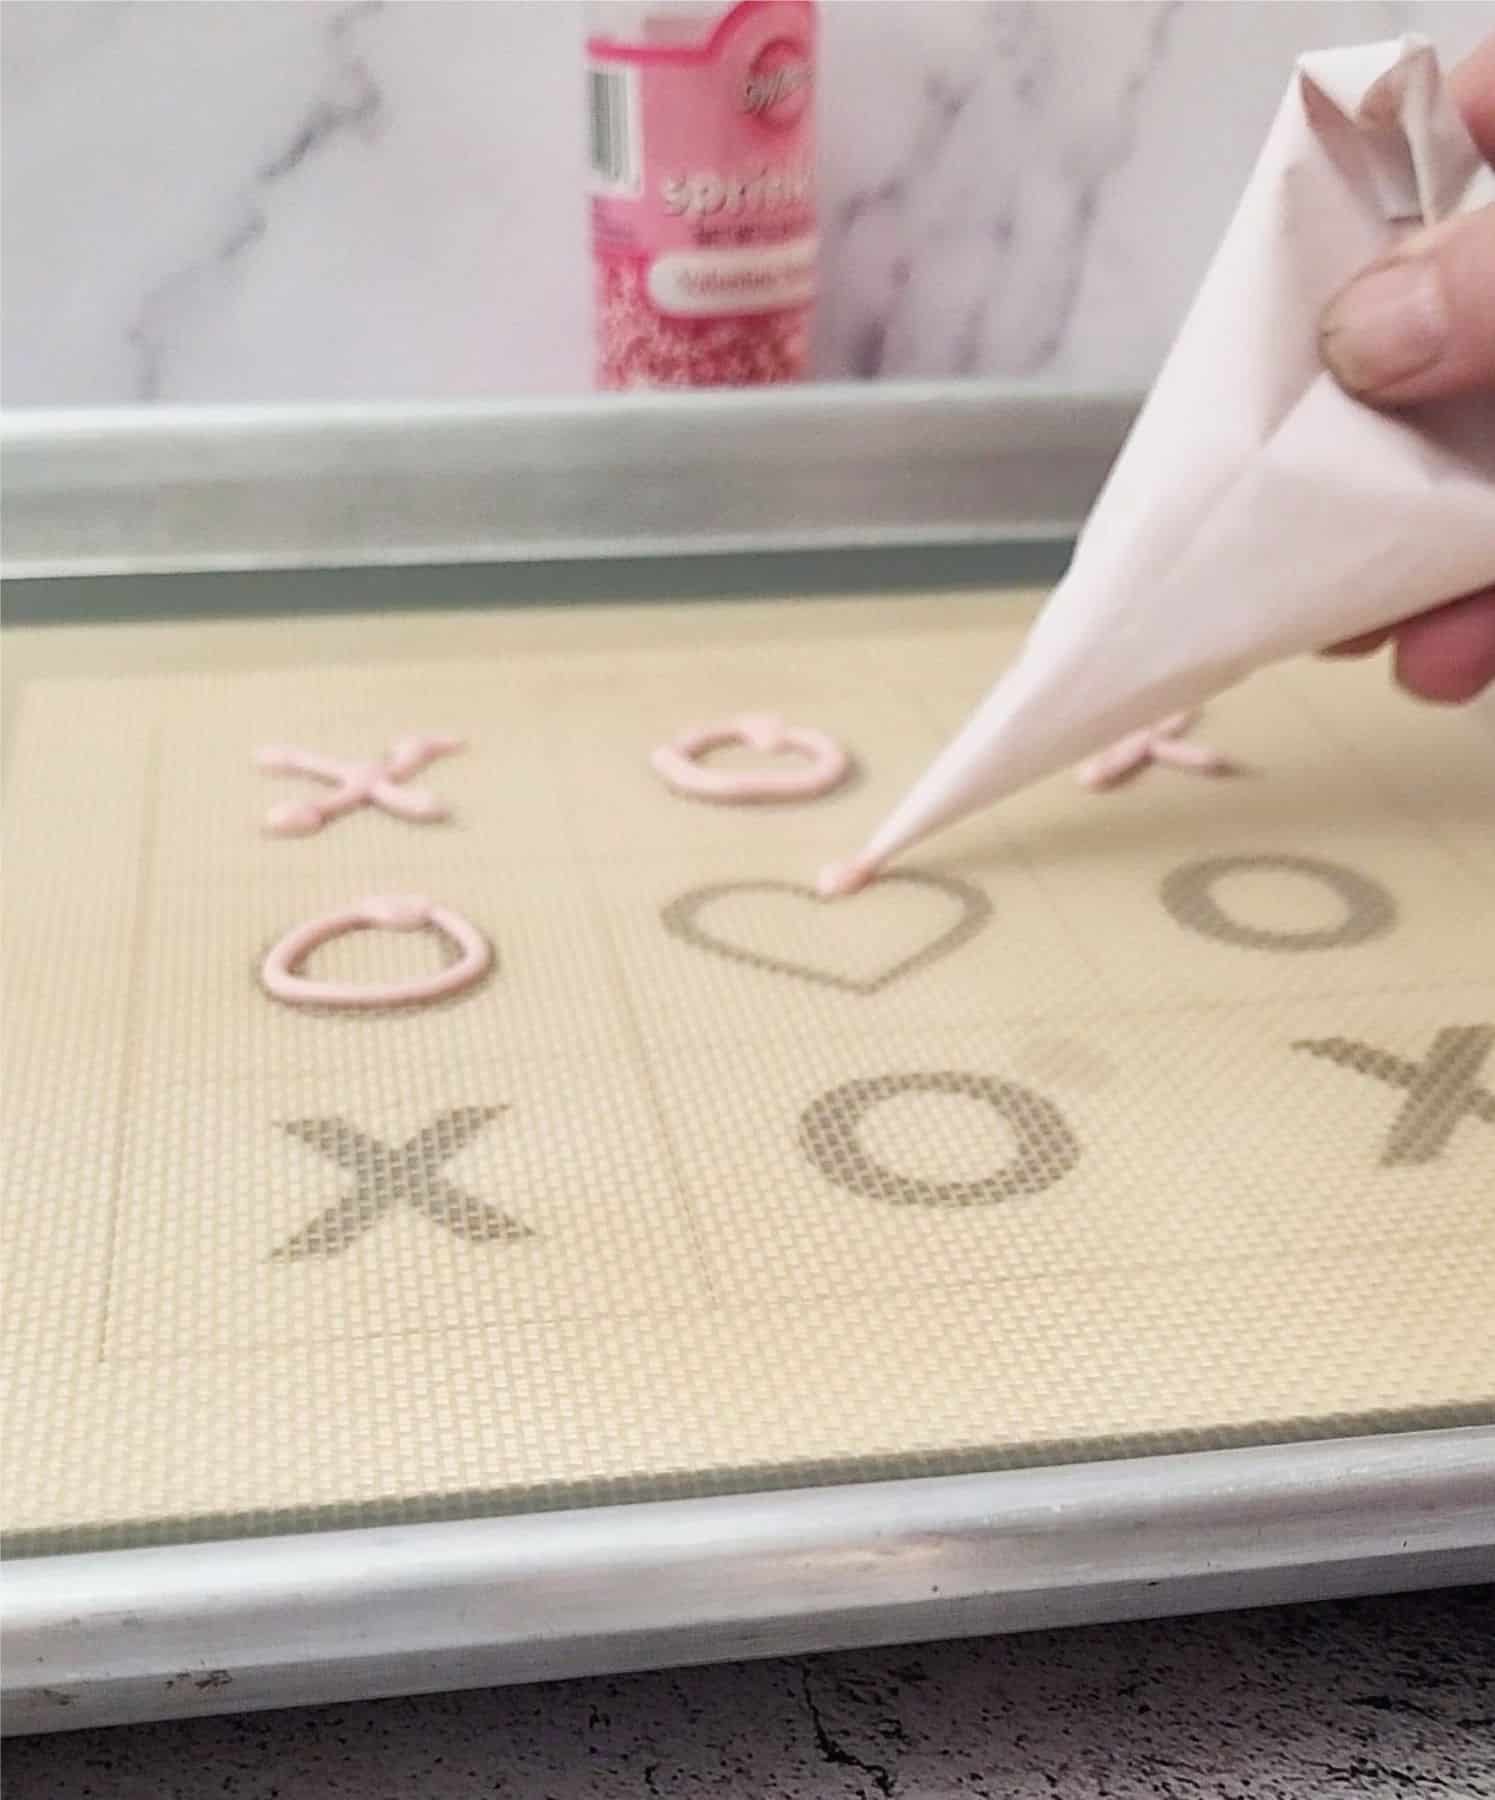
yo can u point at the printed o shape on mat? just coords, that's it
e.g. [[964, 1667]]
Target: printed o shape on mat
[[1046, 1148], [1188, 893]]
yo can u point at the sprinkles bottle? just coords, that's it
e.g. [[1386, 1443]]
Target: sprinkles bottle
[[702, 191]]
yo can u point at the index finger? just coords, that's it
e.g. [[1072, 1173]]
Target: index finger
[[1473, 87]]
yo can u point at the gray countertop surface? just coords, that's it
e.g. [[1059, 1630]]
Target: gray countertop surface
[[1392, 1696]]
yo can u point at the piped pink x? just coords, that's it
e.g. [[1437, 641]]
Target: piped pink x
[[354, 784], [1164, 743]]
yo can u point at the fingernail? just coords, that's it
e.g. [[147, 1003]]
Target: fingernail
[[1387, 327]]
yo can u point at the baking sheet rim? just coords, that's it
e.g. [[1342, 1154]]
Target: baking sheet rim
[[180, 1630]]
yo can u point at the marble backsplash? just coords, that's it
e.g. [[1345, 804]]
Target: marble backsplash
[[233, 200]]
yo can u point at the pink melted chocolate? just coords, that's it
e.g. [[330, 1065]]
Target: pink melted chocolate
[[281, 976], [818, 763], [1163, 743], [384, 783]]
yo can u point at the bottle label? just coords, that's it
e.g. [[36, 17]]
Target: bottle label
[[703, 215]]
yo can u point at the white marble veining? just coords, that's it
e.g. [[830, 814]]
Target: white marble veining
[[237, 200]]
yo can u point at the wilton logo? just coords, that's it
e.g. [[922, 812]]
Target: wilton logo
[[776, 87]]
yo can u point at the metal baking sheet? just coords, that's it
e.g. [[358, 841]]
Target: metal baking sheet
[[890, 465], [1241, 1293]]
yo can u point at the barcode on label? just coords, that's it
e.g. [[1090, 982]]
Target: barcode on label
[[613, 97]]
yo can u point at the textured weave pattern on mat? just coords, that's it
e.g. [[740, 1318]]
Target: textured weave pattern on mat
[[1153, 1120]]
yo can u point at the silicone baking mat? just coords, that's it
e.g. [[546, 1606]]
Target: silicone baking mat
[[1122, 1123]]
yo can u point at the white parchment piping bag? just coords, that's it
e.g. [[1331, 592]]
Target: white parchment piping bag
[[1256, 512]]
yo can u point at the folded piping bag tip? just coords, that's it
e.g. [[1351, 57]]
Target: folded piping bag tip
[[1256, 512]]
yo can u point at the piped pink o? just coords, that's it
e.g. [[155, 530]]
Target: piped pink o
[[820, 763], [380, 912]]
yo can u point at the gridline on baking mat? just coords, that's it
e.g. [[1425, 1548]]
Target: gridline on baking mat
[[1115, 1124]]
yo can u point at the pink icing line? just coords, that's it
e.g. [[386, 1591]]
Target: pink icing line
[[387, 912], [824, 765], [836, 880], [1162, 743], [356, 784]]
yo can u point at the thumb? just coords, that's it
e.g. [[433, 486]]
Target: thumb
[[1420, 323]]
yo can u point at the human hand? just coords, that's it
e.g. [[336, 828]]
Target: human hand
[[1419, 325]]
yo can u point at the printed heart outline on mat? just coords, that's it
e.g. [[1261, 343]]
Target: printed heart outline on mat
[[681, 918]]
